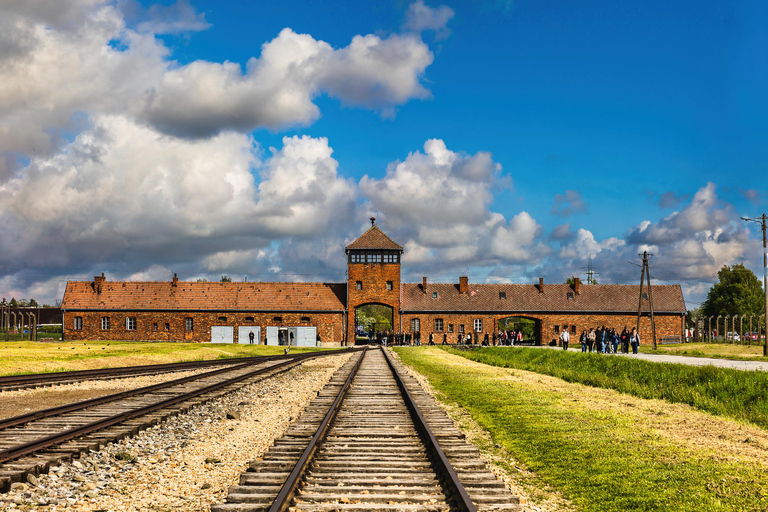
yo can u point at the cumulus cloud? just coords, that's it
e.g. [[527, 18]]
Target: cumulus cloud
[[670, 199], [172, 19], [421, 17], [568, 204]]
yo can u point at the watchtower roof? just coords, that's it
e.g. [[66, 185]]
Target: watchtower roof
[[374, 238]]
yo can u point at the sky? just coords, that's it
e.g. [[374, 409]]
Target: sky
[[504, 140]]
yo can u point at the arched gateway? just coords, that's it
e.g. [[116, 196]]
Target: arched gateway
[[373, 263]]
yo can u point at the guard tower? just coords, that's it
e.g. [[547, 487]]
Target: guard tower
[[373, 276]]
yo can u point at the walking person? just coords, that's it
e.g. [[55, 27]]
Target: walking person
[[634, 340], [250, 338], [615, 340], [583, 341], [591, 338], [624, 340], [565, 337], [445, 339]]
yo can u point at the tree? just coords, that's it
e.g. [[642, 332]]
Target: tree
[[737, 292], [572, 280], [13, 303], [226, 279], [33, 303]]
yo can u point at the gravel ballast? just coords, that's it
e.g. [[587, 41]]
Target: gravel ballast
[[186, 463]]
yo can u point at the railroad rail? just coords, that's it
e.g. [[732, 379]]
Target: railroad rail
[[371, 440], [31, 443], [33, 380]]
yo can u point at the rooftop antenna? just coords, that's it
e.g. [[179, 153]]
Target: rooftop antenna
[[373, 221]]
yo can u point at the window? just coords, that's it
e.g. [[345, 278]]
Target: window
[[359, 285], [389, 286], [502, 295], [461, 328], [415, 325], [305, 319], [434, 295], [357, 257], [167, 326], [222, 319], [645, 296], [247, 319], [557, 329], [105, 323], [374, 257], [154, 326], [130, 323], [78, 323], [478, 325], [390, 257], [189, 323], [439, 324], [569, 295], [450, 327], [277, 319], [573, 329]]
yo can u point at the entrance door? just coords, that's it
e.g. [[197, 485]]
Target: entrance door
[[271, 335], [222, 334], [244, 339], [306, 336]]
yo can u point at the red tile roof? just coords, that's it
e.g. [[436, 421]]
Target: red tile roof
[[374, 238], [134, 295], [606, 298]]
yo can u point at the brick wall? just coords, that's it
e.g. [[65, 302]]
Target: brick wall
[[329, 325], [666, 324], [374, 277]]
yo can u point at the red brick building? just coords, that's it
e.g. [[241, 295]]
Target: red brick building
[[301, 313]]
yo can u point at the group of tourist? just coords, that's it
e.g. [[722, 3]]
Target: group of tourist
[[604, 340], [500, 338]]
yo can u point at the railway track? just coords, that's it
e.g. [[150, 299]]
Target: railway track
[[31, 443], [371, 440], [34, 380]]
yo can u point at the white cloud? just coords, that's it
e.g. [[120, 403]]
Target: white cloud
[[515, 241], [420, 17], [278, 88]]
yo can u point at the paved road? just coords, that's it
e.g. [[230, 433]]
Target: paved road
[[692, 361]]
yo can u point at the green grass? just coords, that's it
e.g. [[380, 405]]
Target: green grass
[[735, 351], [35, 357], [598, 459], [742, 395]]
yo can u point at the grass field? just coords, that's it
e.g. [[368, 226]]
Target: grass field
[[716, 350], [600, 449], [737, 394], [36, 357]]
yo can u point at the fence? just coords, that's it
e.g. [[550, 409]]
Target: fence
[[742, 329]]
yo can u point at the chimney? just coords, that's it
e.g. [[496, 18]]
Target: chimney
[[463, 284], [577, 285], [175, 280], [541, 285], [98, 282], [424, 284]]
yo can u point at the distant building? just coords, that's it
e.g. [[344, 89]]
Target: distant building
[[299, 313]]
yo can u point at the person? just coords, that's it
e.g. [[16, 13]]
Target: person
[[250, 338], [431, 339], [520, 336], [583, 340], [624, 340], [319, 341], [418, 338], [634, 340], [615, 340], [445, 339], [565, 337], [290, 338], [591, 337], [485, 340]]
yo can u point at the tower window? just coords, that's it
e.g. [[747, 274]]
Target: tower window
[[359, 285], [389, 286]]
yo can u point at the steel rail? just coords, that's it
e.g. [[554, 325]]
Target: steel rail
[[63, 409], [287, 491], [439, 459], [61, 437], [9, 380]]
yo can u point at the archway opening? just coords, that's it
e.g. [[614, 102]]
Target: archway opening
[[527, 328], [372, 321]]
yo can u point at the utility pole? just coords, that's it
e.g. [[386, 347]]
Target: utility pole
[[762, 220], [645, 274]]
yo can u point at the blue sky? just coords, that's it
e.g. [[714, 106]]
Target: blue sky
[[560, 132]]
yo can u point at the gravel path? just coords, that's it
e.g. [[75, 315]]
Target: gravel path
[[186, 463], [689, 360]]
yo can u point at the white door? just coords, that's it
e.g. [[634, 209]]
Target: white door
[[271, 335], [306, 336], [222, 334], [244, 331]]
